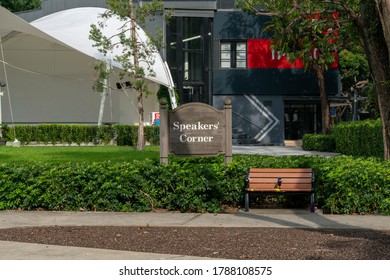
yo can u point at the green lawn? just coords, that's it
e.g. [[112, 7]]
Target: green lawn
[[76, 154]]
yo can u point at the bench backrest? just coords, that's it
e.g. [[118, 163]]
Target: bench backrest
[[280, 179]]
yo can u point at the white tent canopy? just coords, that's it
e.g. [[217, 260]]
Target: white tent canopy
[[50, 62], [72, 27], [11, 23]]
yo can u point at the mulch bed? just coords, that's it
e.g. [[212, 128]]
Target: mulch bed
[[225, 243]]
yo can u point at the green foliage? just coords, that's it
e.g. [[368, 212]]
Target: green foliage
[[76, 154], [127, 135], [103, 73], [133, 50], [307, 32], [319, 142], [349, 185], [164, 93], [4, 131], [20, 5], [298, 28], [361, 138], [124, 135], [353, 67], [344, 184], [125, 37]]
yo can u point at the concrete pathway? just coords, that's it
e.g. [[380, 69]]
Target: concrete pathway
[[283, 218], [278, 151]]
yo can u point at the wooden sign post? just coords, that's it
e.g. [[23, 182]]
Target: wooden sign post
[[196, 129]]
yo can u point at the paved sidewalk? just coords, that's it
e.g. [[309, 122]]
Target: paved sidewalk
[[278, 151], [284, 218]]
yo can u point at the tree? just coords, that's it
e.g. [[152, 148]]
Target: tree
[[305, 31], [20, 5], [355, 76], [134, 49], [373, 25], [383, 8], [369, 19]]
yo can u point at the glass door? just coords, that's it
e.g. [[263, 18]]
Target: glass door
[[301, 118], [188, 55]]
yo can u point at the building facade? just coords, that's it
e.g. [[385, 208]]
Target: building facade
[[215, 51]]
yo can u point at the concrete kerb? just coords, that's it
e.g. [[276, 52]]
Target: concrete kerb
[[282, 218], [290, 218]]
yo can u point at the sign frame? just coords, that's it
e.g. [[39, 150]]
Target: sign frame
[[195, 129]]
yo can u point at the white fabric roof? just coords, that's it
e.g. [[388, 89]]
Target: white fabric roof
[[70, 28]]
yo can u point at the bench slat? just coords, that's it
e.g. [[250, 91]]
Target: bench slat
[[286, 187], [270, 191], [285, 181], [278, 170], [281, 174]]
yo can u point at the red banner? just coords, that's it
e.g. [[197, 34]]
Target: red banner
[[260, 55]]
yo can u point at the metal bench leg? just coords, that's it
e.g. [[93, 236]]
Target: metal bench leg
[[312, 203], [246, 201]]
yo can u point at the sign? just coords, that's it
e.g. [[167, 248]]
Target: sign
[[196, 129], [156, 118], [333, 112]]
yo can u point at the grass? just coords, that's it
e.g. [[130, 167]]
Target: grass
[[49, 154]]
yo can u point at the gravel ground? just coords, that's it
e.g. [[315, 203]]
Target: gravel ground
[[226, 243]]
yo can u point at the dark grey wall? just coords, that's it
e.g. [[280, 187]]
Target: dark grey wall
[[238, 25], [286, 82], [259, 117]]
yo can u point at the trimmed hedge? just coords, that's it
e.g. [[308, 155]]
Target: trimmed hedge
[[361, 138], [123, 135], [344, 184], [349, 185], [319, 142]]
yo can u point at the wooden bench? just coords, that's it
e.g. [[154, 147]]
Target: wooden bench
[[280, 180]]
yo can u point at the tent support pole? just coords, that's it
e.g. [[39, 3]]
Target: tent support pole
[[104, 93]]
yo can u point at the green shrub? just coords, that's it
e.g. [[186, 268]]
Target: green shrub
[[124, 135], [152, 135], [361, 138], [4, 132], [319, 142], [344, 184], [349, 185], [163, 92]]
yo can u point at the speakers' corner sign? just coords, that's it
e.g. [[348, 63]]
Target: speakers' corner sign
[[195, 129]]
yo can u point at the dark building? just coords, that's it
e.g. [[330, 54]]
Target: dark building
[[215, 51]]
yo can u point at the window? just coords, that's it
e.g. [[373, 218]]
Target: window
[[233, 55]]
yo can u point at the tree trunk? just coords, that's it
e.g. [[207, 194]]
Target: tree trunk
[[324, 98], [141, 134], [383, 7], [371, 31], [138, 86]]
